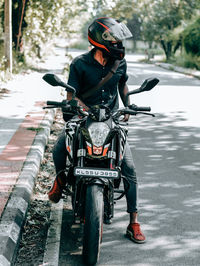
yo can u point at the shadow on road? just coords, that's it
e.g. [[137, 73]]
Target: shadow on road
[[168, 166]]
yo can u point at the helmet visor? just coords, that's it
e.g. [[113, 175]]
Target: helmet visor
[[117, 32]]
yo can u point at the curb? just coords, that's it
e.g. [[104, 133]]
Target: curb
[[14, 215], [51, 252], [190, 72]]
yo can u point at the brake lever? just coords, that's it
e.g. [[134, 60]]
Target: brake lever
[[144, 113]]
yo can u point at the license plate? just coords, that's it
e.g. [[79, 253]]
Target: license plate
[[97, 172]]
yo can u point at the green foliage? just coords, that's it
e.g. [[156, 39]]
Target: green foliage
[[36, 24], [155, 21], [4, 75], [161, 18], [122, 10], [191, 38], [117, 9], [187, 61], [151, 20], [49, 19], [42, 21]]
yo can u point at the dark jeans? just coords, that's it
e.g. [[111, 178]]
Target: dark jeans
[[128, 170]]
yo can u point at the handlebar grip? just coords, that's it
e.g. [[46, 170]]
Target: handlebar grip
[[140, 108], [144, 109], [54, 103]]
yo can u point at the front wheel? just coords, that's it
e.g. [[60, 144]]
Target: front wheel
[[93, 226]]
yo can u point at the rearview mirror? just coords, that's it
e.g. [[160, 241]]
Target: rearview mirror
[[54, 80], [147, 85]]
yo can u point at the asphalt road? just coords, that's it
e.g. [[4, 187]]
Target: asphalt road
[[166, 151]]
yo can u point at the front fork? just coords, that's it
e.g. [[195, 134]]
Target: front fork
[[79, 188], [109, 190]]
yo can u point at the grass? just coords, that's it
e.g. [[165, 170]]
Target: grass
[[191, 62], [186, 60], [38, 129]]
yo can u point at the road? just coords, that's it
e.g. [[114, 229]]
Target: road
[[166, 152]]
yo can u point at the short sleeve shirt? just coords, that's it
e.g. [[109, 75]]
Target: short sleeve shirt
[[86, 72]]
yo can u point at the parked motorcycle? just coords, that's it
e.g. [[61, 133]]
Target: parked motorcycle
[[95, 144]]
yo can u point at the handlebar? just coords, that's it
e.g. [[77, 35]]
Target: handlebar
[[53, 104], [128, 111], [68, 106]]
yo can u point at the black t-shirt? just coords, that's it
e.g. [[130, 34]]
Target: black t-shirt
[[86, 72]]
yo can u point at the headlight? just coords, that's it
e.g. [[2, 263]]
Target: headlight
[[98, 133]]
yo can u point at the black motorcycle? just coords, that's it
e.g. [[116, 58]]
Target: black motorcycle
[[95, 142]]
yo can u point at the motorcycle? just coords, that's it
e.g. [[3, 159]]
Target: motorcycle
[[95, 144]]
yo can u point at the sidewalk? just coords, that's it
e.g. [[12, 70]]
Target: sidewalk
[[186, 71], [24, 131]]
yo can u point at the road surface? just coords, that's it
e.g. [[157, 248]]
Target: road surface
[[166, 151]]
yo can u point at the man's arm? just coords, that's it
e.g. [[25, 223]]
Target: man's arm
[[123, 90], [69, 97]]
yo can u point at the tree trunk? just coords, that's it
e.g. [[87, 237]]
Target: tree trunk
[[8, 33], [167, 47], [178, 44], [19, 35], [134, 45]]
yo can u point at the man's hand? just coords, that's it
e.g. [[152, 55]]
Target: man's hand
[[126, 118], [80, 103]]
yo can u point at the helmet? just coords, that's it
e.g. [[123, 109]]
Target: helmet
[[107, 35]]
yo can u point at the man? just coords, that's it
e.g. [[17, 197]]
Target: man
[[86, 71]]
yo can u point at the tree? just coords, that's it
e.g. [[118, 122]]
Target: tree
[[122, 10], [35, 22], [160, 18], [1, 17], [191, 38], [134, 25], [18, 22], [8, 34], [156, 20], [48, 19]]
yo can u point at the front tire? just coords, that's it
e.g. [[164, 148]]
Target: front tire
[[93, 226]]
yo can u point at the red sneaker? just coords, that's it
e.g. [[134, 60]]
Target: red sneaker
[[56, 191], [135, 234]]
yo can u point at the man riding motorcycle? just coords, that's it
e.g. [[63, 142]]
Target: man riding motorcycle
[[87, 70]]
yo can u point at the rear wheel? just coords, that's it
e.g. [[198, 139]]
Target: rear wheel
[[93, 227]]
